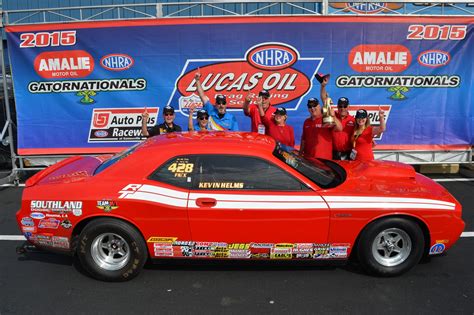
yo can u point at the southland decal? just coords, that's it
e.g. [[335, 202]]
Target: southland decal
[[276, 67]]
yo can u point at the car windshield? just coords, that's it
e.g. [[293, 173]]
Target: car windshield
[[117, 157], [324, 173]]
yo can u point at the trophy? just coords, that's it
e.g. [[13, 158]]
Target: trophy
[[328, 120]]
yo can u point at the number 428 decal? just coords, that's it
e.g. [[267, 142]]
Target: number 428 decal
[[434, 32]]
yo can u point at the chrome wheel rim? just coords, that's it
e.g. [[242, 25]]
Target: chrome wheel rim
[[110, 251], [391, 247]]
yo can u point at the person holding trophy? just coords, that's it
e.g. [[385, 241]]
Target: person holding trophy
[[316, 140], [362, 137], [342, 141]]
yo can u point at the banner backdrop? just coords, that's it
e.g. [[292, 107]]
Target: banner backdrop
[[81, 88]]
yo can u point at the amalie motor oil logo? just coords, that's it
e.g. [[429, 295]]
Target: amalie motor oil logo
[[276, 67], [64, 64], [379, 58]]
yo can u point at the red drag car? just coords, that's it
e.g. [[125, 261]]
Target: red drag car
[[234, 196]]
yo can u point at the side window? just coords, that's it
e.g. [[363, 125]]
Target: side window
[[231, 172], [177, 172]]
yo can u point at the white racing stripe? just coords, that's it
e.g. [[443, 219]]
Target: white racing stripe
[[257, 198], [453, 179], [355, 199], [22, 238], [269, 206], [387, 205], [144, 196]]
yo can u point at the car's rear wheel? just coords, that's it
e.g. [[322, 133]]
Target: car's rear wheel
[[389, 247], [111, 250]]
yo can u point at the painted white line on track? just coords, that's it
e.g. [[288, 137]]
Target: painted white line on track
[[453, 179], [12, 185], [22, 238]]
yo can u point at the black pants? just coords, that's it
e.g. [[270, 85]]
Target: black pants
[[338, 155]]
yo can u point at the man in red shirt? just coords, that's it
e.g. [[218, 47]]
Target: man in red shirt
[[252, 110], [342, 144], [316, 140]]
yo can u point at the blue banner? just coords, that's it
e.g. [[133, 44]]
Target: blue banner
[[81, 88]]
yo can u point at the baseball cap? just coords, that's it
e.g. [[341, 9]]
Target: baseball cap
[[264, 93], [220, 99], [202, 113], [313, 100], [361, 113], [280, 111], [343, 101], [168, 110]]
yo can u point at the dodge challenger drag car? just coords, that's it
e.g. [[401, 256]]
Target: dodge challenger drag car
[[220, 195]]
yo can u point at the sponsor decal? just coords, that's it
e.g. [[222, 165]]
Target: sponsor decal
[[69, 177], [183, 243], [239, 253], [107, 205], [60, 242], [434, 58], [281, 251], [66, 224], [27, 234], [186, 251], [27, 221], [37, 215], [57, 206], [379, 58], [338, 250], [120, 124], [42, 239], [220, 252], [116, 62], [366, 7], [437, 249], [321, 251], [129, 190], [26, 229], [241, 246], [303, 250], [49, 223], [163, 249], [77, 212], [159, 239], [276, 67], [64, 64]]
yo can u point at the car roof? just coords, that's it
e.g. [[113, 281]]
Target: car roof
[[220, 140]]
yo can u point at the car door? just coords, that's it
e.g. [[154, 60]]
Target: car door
[[238, 199]]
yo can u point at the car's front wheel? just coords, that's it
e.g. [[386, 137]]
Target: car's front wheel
[[111, 250], [389, 247]]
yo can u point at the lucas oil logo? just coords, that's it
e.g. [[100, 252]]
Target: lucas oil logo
[[276, 67]]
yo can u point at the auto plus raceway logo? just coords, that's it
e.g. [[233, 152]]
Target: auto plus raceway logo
[[276, 67]]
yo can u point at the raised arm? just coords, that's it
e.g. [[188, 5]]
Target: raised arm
[[145, 116], [247, 101], [379, 129], [338, 125], [324, 94], [197, 78], [190, 118]]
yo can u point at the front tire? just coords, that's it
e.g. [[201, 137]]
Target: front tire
[[390, 247], [111, 250]]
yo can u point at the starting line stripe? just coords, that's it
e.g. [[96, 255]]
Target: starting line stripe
[[22, 238]]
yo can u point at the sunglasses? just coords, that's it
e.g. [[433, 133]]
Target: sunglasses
[[313, 105], [169, 114], [342, 106], [203, 118]]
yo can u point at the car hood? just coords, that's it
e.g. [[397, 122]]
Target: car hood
[[363, 170], [73, 169]]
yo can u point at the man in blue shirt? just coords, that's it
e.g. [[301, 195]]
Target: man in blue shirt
[[219, 119]]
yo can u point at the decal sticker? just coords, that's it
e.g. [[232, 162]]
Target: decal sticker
[[27, 221], [60, 242], [49, 223], [66, 224], [56, 206], [221, 185], [437, 249], [37, 215], [159, 239], [107, 205], [181, 167]]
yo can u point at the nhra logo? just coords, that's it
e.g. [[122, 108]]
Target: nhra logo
[[434, 58], [379, 58], [64, 64], [276, 67], [366, 8], [116, 62]]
